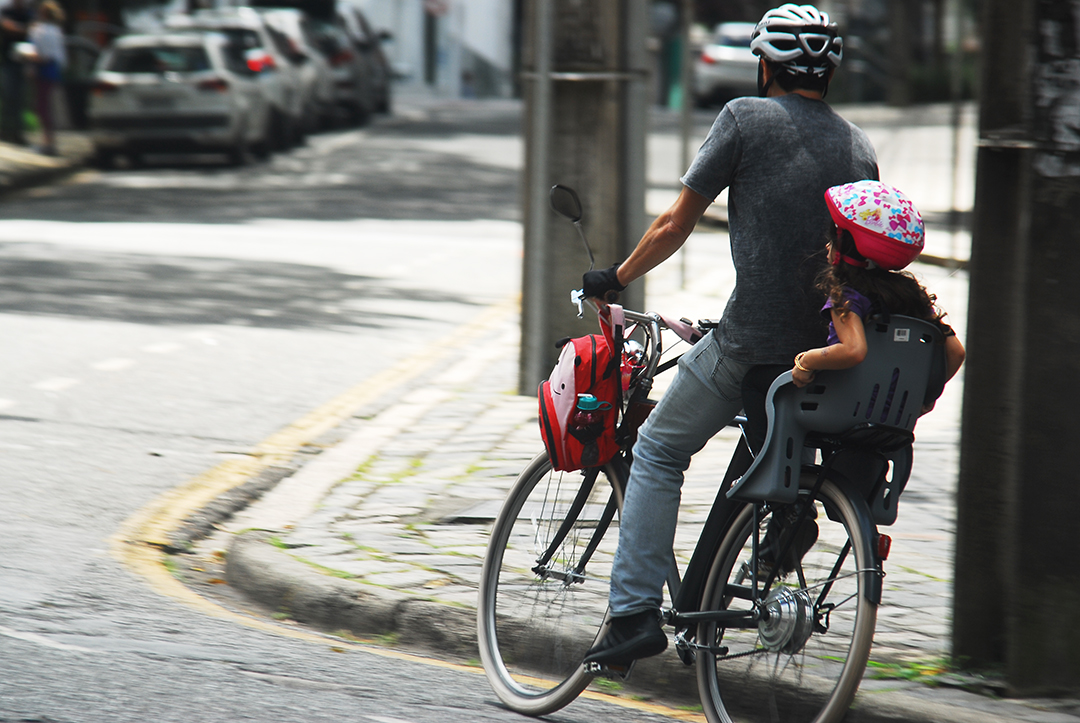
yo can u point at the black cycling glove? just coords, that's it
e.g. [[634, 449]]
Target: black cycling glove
[[596, 283]]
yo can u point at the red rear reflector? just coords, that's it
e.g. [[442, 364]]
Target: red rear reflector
[[884, 544]]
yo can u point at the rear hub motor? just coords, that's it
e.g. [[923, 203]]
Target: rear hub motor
[[788, 622]]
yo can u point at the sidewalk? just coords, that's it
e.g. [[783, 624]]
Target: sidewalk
[[22, 167], [382, 534]]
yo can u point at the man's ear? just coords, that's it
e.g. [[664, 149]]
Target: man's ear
[[764, 78]]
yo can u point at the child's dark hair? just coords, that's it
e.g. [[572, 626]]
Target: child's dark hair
[[897, 292]]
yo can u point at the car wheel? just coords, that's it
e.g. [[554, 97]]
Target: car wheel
[[103, 159], [298, 134], [238, 154], [384, 103], [359, 115], [279, 131]]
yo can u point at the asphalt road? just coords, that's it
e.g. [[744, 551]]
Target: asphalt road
[[157, 321]]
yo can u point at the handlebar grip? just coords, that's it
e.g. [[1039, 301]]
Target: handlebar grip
[[611, 296]]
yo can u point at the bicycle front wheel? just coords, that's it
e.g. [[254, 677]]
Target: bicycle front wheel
[[805, 660], [544, 585]]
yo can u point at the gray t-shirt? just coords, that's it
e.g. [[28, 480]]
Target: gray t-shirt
[[777, 156]]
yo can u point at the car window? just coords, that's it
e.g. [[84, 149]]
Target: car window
[[235, 60], [733, 40], [160, 59], [244, 38], [284, 45]]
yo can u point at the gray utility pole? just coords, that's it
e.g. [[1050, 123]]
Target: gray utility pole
[[585, 111], [1017, 548]]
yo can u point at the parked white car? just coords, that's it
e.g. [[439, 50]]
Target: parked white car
[[726, 67], [368, 44], [353, 87], [316, 76], [276, 74], [176, 92]]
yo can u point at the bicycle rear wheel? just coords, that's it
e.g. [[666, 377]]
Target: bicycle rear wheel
[[804, 664], [544, 585]]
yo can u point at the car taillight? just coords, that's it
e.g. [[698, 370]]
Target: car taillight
[[217, 85], [258, 62], [341, 57], [706, 58], [102, 88]]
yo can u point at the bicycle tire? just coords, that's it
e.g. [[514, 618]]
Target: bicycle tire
[[815, 681], [533, 628]]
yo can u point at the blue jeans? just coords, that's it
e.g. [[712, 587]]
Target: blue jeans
[[702, 399]]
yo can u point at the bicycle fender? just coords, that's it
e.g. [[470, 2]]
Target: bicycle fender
[[869, 535]]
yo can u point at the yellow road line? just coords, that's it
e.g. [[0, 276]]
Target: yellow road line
[[152, 524]]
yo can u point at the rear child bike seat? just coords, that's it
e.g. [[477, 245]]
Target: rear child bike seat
[[873, 405]]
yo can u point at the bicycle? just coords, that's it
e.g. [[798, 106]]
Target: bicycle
[[777, 605]]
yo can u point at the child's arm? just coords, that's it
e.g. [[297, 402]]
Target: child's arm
[[846, 353], [954, 356]]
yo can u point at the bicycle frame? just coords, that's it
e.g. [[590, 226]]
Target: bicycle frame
[[686, 590]]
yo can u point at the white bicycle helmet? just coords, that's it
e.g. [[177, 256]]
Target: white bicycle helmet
[[885, 225], [800, 38]]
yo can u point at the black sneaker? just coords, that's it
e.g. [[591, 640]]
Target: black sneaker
[[779, 524], [629, 638]]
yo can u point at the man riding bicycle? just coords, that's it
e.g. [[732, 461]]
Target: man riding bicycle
[[777, 155]]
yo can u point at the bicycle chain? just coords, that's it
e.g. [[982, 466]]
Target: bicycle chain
[[748, 653]]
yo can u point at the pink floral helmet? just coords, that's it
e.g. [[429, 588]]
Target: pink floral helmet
[[886, 227]]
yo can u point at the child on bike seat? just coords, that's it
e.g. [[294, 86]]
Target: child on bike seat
[[877, 233]]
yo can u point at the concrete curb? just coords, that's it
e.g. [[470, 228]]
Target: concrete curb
[[280, 582], [21, 167], [29, 176]]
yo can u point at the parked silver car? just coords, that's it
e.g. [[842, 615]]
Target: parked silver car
[[368, 45], [176, 92], [316, 76], [277, 76], [353, 87], [726, 67]]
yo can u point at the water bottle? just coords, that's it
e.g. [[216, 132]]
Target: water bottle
[[587, 412]]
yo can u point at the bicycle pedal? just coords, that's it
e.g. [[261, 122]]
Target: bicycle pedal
[[612, 672], [685, 649]]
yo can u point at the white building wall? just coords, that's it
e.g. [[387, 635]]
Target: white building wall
[[483, 28]]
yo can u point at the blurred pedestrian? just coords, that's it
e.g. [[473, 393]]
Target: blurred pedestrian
[[48, 39], [14, 19]]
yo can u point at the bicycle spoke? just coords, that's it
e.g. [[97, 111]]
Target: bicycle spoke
[[544, 587], [805, 656]]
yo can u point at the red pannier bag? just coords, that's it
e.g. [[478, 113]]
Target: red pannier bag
[[587, 365]]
